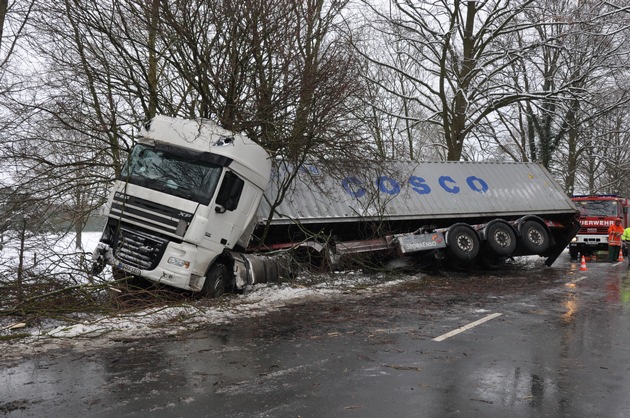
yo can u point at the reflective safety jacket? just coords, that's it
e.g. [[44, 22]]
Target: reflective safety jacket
[[614, 235], [626, 235]]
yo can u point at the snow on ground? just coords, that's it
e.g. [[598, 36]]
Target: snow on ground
[[100, 331]]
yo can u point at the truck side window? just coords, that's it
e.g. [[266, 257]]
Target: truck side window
[[230, 191]]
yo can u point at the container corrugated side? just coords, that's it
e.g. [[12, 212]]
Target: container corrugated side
[[420, 190]]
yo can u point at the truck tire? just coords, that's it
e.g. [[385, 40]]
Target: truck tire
[[463, 242], [534, 237], [501, 239], [214, 285]]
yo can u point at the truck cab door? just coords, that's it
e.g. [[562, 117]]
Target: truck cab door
[[227, 221]]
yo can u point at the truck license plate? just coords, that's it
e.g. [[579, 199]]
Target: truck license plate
[[129, 269]]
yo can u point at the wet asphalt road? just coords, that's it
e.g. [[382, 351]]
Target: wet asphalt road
[[559, 348]]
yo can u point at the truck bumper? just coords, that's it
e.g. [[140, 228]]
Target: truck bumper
[[587, 248], [174, 268]]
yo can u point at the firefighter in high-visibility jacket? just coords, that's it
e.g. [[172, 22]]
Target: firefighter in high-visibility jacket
[[625, 241], [615, 231]]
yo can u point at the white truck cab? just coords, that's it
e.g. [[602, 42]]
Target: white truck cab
[[188, 192]]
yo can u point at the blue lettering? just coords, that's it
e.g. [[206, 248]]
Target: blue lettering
[[418, 185], [354, 187], [348, 184], [443, 180], [388, 185], [476, 184]]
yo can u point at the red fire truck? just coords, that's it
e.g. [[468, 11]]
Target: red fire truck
[[597, 213]]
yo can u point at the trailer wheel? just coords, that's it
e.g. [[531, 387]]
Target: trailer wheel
[[214, 285], [463, 242], [534, 237], [501, 239]]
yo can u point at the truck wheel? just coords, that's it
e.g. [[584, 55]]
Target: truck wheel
[[463, 242], [214, 285], [501, 239], [534, 237], [573, 253]]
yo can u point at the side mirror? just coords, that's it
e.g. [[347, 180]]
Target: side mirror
[[219, 209]]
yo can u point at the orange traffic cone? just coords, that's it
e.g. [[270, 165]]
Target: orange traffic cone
[[583, 265], [620, 255]]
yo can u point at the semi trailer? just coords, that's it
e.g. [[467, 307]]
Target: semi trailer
[[197, 207]]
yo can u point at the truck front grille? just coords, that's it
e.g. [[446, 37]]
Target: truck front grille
[[139, 249], [151, 215]]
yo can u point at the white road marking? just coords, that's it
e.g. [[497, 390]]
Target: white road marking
[[466, 327]]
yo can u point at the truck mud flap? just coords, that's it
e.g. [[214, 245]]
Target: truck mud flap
[[562, 237]]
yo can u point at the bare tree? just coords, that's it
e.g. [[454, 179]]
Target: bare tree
[[278, 70], [457, 56], [578, 69], [4, 4], [13, 20], [393, 119]]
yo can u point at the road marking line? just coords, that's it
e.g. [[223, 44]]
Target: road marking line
[[466, 327]]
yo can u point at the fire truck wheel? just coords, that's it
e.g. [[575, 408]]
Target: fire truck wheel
[[534, 237], [214, 285], [463, 242], [501, 239]]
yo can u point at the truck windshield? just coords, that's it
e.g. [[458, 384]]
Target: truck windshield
[[597, 207], [180, 174]]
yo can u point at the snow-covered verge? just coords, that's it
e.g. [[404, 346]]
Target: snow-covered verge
[[19, 337], [101, 331]]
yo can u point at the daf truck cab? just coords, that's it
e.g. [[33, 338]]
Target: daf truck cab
[[187, 194]]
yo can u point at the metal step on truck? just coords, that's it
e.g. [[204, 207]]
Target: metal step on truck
[[196, 207]]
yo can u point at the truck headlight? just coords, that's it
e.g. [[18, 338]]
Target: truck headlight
[[178, 262]]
